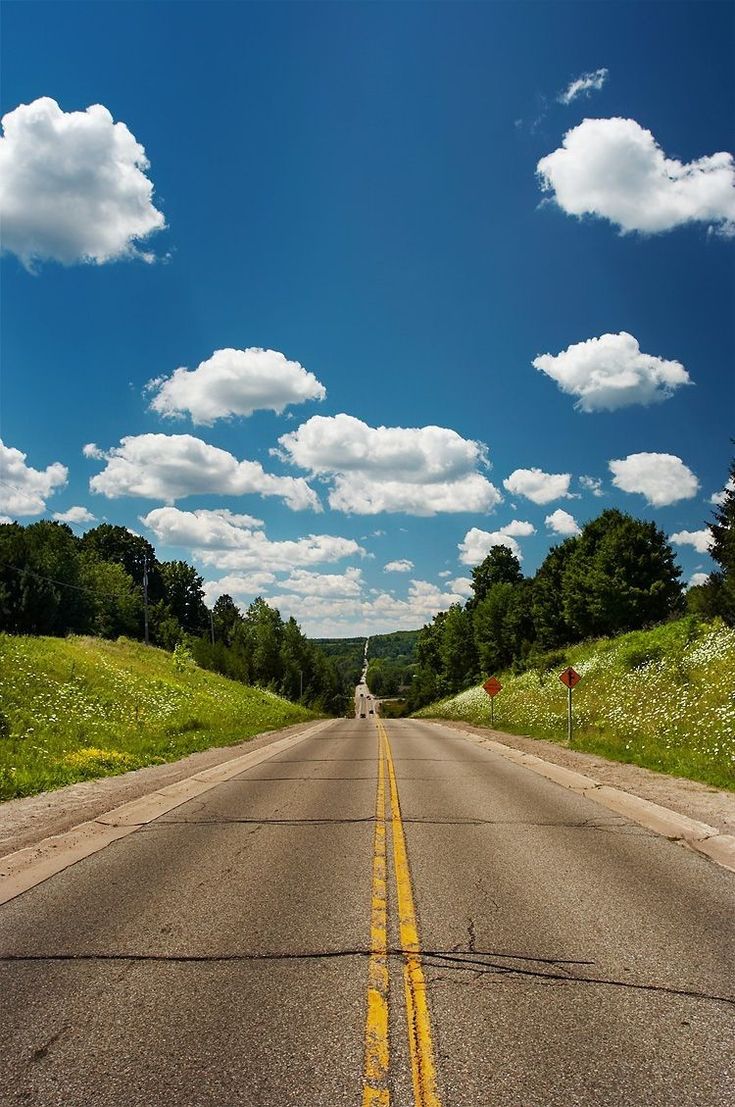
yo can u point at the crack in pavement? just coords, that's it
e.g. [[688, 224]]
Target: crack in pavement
[[585, 824], [479, 963], [168, 823]]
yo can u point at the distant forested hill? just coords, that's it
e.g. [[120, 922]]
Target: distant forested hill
[[392, 659]]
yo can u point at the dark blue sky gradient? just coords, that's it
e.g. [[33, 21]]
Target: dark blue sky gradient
[[354, 185]]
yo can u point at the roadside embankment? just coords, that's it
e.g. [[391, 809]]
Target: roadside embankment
[[74, 709], [663, 699]]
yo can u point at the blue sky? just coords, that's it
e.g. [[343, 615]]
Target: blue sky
[[355, 186]]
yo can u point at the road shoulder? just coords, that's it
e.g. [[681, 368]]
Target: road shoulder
[[694, 833], [28, 820], [687, 797]]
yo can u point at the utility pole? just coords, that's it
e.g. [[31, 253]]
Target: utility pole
[[145, 599]]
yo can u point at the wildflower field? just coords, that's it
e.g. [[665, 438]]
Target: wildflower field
[[662, 698], [77, 708]]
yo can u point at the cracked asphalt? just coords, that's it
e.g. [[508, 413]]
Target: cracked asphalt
[[218, 956]]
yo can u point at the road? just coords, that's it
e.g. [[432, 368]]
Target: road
[[246, 948]]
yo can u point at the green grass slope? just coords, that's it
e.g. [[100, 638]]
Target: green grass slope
[[76, 708], [663, 698]]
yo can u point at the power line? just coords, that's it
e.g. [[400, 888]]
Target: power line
[[66, 584]]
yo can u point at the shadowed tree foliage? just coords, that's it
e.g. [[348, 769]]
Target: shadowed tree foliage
[[722, 584], [41, 590], [550, 625], [501, 566], [184, 593], [227, 617], [116, 602], [118, 544], [621, 575]]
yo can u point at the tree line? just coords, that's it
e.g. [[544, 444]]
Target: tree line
[[55, 583], [619, 574]]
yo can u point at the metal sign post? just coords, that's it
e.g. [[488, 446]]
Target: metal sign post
[[492, 686], [570, 678]]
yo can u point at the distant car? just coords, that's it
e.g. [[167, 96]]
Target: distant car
[[371, 712], [362, 714]]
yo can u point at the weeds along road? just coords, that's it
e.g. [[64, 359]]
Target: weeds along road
[[379, 915]]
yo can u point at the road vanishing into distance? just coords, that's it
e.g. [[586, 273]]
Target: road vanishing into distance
[[384, 913]]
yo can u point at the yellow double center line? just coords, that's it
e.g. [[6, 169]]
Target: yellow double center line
[[377, 1052]]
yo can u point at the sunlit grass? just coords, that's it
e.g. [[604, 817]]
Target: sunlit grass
[[663, 698], [76, 708]]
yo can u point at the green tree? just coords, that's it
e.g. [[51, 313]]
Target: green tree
[[551, 628], [264, 629], [723, 551], [490, 624], [115, 600], [226, 616], [501, 566], [118, 544], [184, 596], [457, 648], [41, 591], [620, 576], [296, 662]]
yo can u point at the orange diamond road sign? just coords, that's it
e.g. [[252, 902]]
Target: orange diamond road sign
[[492, 686], [570, 677]]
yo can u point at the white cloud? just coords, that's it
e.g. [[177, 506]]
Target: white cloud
[[614, 169], [610, 372], [401, 566], [697, 579], [416, 470], [537, 486], [583, 85], [235, 382], [336, 605], [718, 498], [358, 494], [592, 484], [701, 540], [561, 522], [242, 585], [341, 443], [661, 478], [76, 515], [445, 573], [171, 466], [308, 583], [476, 544], [461, 585], [238, 543], [74, 186], [24, 490]]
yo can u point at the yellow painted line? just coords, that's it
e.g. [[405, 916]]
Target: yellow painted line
[[423, 1068], [375, 1083]]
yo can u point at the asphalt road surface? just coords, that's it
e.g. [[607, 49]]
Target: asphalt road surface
[[376, 916]]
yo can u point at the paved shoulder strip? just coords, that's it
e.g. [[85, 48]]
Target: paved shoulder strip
[[28, 867], [698, 836]]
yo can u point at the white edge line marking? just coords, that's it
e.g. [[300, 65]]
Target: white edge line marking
[[25, 868]]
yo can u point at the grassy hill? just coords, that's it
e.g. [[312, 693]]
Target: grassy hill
[[663, 698], [76, 708]]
